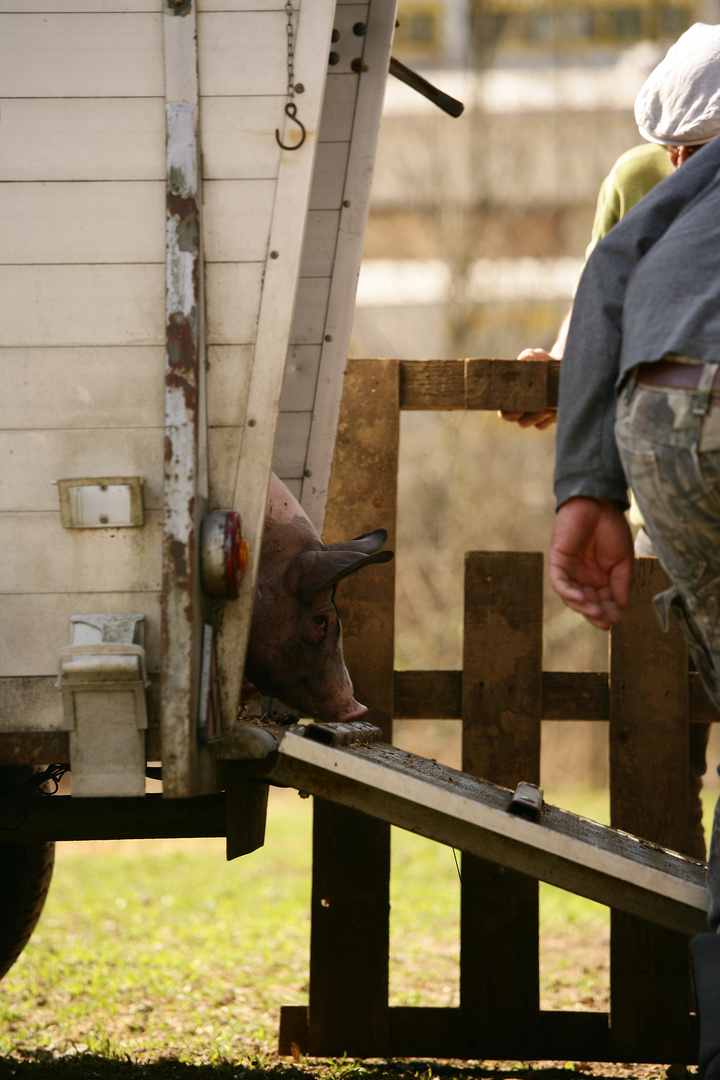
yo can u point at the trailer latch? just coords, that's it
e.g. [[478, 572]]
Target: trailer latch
[[102, 678], [527, 801]]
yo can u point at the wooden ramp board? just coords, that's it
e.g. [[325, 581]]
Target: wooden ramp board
[[454, 808]]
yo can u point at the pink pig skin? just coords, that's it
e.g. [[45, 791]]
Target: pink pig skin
[[295, 648]]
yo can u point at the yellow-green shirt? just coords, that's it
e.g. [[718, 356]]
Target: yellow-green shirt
[[635, 172]]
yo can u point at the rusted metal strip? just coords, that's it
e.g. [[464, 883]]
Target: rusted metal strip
[[181, 599]]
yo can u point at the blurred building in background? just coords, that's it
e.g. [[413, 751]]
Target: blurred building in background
[[495, 207], [476, 237]]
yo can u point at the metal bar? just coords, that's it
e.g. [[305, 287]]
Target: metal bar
[[61, 817], [183, 484], [448, 104]]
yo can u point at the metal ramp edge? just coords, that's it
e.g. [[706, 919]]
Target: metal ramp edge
[[473, 815]]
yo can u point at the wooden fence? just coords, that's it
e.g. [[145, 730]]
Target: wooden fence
[[501, 695]]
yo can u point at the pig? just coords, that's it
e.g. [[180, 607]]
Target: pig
[[295, 645]]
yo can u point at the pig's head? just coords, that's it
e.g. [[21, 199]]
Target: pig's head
[[295, 647]]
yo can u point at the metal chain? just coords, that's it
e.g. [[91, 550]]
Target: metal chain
[[290, 106], [290, 50]]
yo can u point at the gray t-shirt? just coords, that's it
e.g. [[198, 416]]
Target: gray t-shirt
[[650, 287]]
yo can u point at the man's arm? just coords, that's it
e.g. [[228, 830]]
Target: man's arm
[[591, 559]]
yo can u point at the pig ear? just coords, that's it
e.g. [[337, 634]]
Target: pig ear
[[367, 543], [312, 571]]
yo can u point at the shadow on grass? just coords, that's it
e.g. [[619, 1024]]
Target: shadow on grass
[[41, 1065]]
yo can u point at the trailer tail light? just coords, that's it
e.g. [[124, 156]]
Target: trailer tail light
[[224, 554]]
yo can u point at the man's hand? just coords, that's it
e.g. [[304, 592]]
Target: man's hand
[[591, 559], [540, 420]]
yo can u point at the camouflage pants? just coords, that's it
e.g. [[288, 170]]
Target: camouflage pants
[[669, 444]]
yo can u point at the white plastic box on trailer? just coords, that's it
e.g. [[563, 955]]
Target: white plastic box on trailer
[[184, 197]]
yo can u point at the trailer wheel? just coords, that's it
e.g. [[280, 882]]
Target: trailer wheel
[[25, 873]]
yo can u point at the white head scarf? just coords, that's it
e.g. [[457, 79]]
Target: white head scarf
[[679, 104]]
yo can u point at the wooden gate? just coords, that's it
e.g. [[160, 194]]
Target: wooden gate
[[501, 695]]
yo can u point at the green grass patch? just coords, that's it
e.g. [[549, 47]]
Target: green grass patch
[[151, 951]]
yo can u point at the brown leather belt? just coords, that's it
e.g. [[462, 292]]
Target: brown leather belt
[[667, 373]]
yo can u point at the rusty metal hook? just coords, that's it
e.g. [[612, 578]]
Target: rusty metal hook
[[291, 111]]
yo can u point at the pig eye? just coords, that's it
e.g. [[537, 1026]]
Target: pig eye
[[320, 620]]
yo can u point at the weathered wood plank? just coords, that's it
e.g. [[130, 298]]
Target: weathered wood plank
[[232, 297], [351, 852], [373, 49], [518, 384], [428, 695], [648, 797], [223, 450], [575, 695], [431, 1032], [308, 327], [350, 937], [432, 384], [321, 236], [84, 305], [83, 560], [32, 705], [436, 695], [81, 388], [329, 175], [567, 695], [109, 222], [337, 114], [363, 497], [301, 373], [35, 626], [228, 379], [238, 137], [71, 55], [37, 458], [236, 219], [83, 139], [259, 39], [435, 1032], [272, 311], [291, 444], [502, 699]]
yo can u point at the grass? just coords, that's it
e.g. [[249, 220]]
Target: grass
[[160, 951]]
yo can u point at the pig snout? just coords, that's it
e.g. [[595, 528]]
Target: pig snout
[[340, 710]]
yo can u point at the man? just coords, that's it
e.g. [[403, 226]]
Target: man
[[640, 403], [671, 111], [677, 111]]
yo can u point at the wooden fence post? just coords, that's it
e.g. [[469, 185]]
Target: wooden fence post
[[350, 938], [502, 710], [650, 996]]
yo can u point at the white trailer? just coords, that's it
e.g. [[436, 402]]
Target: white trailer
[[185, 190], [185, 186]]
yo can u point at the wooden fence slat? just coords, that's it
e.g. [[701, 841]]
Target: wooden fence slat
[[350, 939], [566, 695], [502, 686], [649, 797], [513, 385], [432, 384]]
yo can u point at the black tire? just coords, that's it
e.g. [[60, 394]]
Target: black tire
[[25, 873]]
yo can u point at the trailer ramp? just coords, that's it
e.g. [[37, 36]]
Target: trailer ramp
[[348, 764]]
